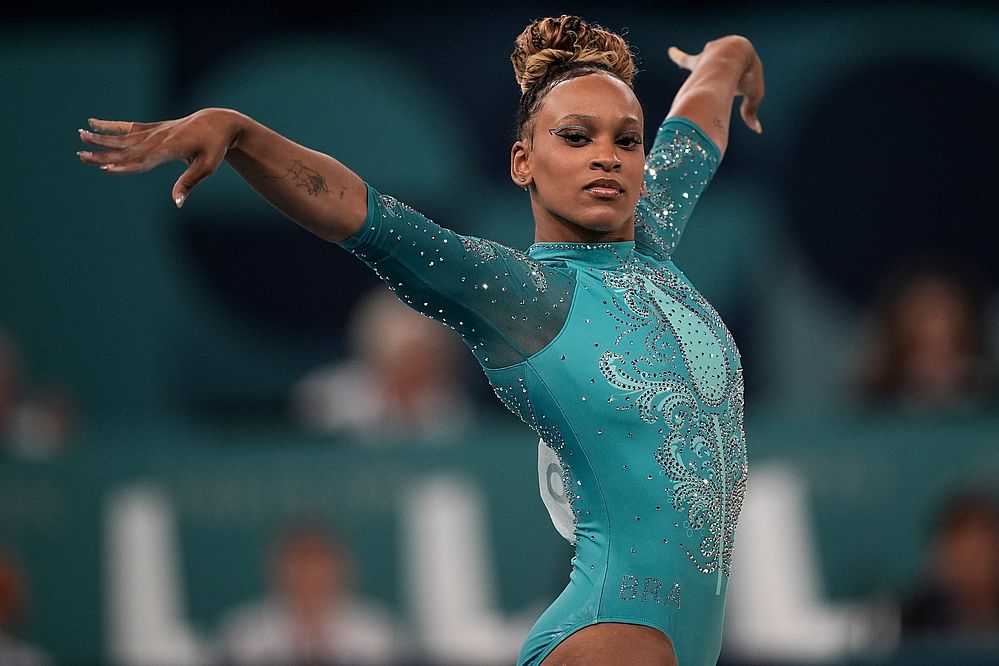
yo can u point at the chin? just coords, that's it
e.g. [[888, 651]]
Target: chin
[[605, 223], [587, 223], [604, 232]]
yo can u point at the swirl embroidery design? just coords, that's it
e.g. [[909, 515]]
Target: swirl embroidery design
[[688, 377]]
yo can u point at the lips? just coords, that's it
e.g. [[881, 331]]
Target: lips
[[604, 187]]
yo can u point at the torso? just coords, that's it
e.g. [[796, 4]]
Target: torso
[[640, 396]]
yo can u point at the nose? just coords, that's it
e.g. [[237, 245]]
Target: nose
[[606, 160]]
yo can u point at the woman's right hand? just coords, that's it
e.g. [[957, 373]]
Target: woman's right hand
[[200, 139]]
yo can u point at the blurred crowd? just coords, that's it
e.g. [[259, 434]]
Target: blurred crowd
[[36, 420], [404, 376], [312, 613], [928, 341], [14, 603], [957, 596]]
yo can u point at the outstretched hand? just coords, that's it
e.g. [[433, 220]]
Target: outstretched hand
[[750, 85], [201, 140]]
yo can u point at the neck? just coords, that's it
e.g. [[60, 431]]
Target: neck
[[564, 231]]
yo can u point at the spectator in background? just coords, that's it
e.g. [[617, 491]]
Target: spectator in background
[[959, 598], [929, 346], [14, 652], [36, 423], [312, 616], [405, 376]]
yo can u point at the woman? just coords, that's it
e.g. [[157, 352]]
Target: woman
[[593, 337]]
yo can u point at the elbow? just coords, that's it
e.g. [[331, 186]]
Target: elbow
[[732, 48], [348, 217], [729, 42]]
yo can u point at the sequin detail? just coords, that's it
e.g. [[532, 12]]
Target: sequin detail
[[518, 401], [630, 585], [704, 453], [395, 207], [659, 216], [675, 319], [537, 274], [650, 592], [487, 251], [629, 588], [674, 595], [482, 249]]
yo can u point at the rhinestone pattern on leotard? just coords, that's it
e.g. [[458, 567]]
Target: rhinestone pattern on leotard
[[685, 377], [676, 157]]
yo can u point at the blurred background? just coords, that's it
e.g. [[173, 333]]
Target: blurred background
[[205, 460]]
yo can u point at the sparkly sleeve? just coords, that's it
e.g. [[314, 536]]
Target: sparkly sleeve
[[679, 167], [505, 305]]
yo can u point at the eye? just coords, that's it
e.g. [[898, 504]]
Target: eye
[[630, 141], [574, 136]]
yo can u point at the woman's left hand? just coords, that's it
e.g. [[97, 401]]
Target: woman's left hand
[[746, 72]]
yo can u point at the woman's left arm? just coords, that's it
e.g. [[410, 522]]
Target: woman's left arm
[[691, 141], [726, 68]]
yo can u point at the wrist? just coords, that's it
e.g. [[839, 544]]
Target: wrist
[[735, 49], [229, 123]]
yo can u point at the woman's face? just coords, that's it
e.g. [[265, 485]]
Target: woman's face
[[584, 162]]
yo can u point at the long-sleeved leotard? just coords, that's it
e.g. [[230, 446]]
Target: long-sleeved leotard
[[630, 377]]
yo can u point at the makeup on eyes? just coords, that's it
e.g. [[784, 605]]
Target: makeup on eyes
[[579, 132]]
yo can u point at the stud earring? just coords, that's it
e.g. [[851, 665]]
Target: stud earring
[[523, 179]]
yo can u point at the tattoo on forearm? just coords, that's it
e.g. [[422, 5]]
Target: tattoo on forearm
[[305, 177]]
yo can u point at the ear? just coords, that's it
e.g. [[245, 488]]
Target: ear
[[520, 171]]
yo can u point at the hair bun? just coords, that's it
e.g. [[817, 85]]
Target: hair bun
[[548, 42]]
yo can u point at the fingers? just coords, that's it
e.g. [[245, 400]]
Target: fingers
[[748, 110], [103, 140], [105, 159], [679, 57], [122, 141], [116, 162], [117, 146], [120, 157], [117, 127], [199, 169]]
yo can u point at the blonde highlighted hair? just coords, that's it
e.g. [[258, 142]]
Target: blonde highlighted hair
[[551, 50]]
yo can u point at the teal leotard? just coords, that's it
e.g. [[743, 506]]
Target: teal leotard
[[629, 376]]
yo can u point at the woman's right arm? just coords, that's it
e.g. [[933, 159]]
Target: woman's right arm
[[315, 190], [473, 285]]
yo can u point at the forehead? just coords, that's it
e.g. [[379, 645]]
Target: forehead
[[602, 96]]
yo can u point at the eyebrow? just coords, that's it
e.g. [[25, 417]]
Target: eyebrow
[[590, 119]]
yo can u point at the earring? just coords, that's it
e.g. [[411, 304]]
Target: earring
[[523, 178]]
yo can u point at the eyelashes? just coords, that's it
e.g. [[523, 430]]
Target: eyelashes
[[578, 136], [572, 136]]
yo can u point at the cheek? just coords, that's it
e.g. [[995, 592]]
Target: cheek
[[634, 173], [635, 167], [556, 165]]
